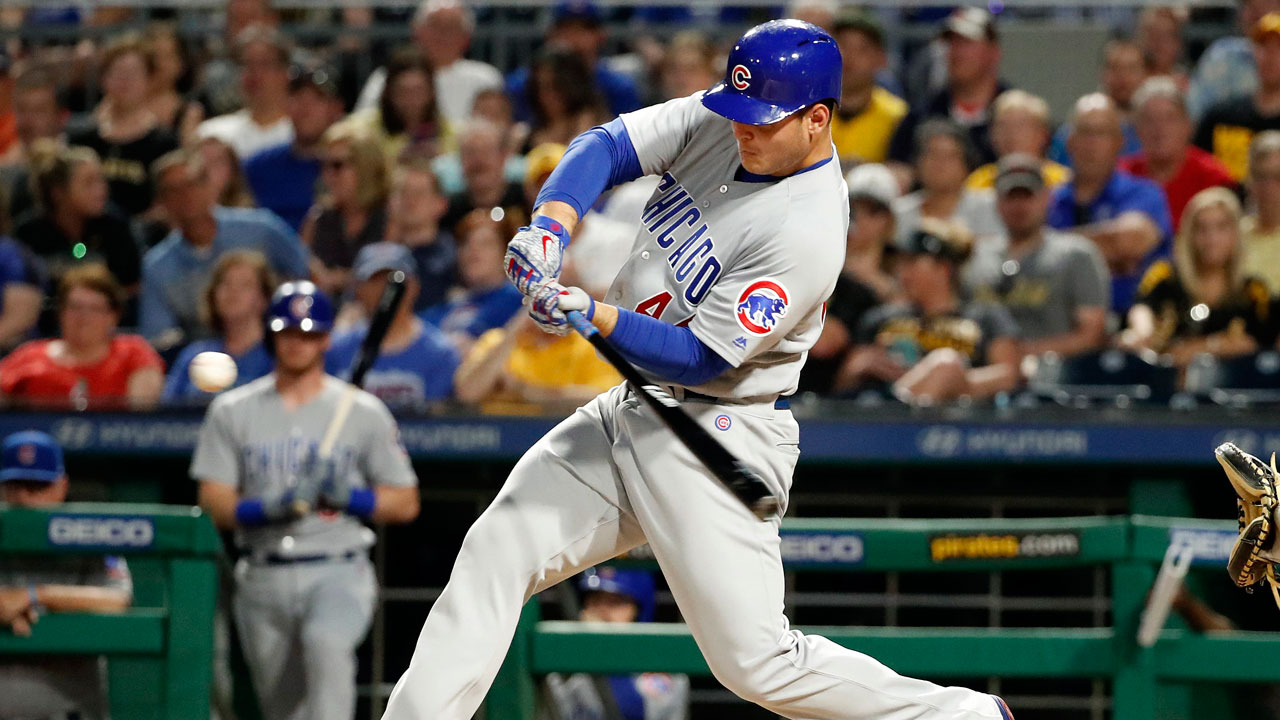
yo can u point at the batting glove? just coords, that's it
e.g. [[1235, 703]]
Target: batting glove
[[550, 303], [535, 254], [287, 506]]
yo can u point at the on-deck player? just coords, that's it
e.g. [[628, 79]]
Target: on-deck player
[[305, 589], [720, 299]]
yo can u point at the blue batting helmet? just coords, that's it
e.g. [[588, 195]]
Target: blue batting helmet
[[776, 69], [636, 585], [300, 304]]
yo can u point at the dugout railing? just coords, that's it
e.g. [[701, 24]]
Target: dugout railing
[[160, 650], [1131, 548]]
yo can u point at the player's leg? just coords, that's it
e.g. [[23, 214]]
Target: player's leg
[[562, 509], [725, 571], [266, 623], [338, 608]]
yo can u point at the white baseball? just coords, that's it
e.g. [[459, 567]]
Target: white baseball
[[212, 371]]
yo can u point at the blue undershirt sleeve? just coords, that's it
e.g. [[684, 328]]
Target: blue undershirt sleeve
[[668, 351], [596, 160]]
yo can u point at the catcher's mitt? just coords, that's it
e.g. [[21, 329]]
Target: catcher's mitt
[[1254, 557]]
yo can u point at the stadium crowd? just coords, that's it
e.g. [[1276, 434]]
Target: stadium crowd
[[159, 186]]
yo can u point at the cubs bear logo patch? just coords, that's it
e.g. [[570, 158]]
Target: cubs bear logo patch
[[761, 305]]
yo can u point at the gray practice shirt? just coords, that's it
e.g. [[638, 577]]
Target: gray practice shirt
[[251, 441], [976, 211], [1043, 289], [42, 686]]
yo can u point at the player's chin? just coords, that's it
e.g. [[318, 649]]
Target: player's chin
[[753, 162]]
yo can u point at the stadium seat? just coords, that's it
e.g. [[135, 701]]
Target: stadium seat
[[1108, 377], [1244, 381]]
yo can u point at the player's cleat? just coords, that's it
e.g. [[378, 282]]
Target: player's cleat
[[1005, 713]]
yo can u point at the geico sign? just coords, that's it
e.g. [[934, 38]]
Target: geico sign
[[817, 548], [101, 531]]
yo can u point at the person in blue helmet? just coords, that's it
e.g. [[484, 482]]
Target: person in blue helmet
[[719, 301], [305, 589], [617, 596]]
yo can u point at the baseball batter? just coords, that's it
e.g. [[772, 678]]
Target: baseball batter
[[720, 299], [305, 588]]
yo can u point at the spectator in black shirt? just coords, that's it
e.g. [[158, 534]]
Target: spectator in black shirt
[[40, 114], [1202, 301], [126, 134], [353, 210], [485, 185], [973, 83], [935, 347], [1227, 127], [72, 224], [866, 281], [414, 210]]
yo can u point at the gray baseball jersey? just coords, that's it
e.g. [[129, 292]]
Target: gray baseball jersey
[[47, 686], [745, 265], [251, 441]]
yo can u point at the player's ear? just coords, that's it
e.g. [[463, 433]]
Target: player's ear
[[819, 117]]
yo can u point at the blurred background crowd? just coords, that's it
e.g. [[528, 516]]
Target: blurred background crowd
[[164, 169]]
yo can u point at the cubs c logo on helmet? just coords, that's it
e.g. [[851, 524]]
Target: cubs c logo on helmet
[[740, 76], [300, 307], [761, 305]]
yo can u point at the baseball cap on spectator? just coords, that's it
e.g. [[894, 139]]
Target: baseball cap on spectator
[[313, 75], [874, 182], [973, 23], [31, 456], [939, 238], [1019, 171], [376, 257], [1268, 24], [576, 10], [541, 160], [855, 18]]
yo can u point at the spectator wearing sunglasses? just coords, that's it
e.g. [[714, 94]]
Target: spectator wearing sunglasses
[[352, 212], [283, 178], [1055, 284]]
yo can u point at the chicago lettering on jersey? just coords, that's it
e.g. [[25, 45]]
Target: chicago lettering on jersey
[[673, 219]]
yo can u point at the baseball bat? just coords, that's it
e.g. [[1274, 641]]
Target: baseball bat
[[366, 356], [739, 479]]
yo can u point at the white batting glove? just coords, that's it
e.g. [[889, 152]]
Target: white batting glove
[[550, 303], [535, 254]]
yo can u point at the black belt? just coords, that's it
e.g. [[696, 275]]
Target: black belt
[[782, 403], [274, 559]]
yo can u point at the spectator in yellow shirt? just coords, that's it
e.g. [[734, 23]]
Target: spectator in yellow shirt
[[868, 114], [1020, 124], [516, 369], [1260, 229]]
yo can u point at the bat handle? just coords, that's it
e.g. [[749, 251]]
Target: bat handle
[[581, 323]]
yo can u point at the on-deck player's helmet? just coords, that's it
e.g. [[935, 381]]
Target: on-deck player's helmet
[[776, 69], [634, 584], [300, 304]]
